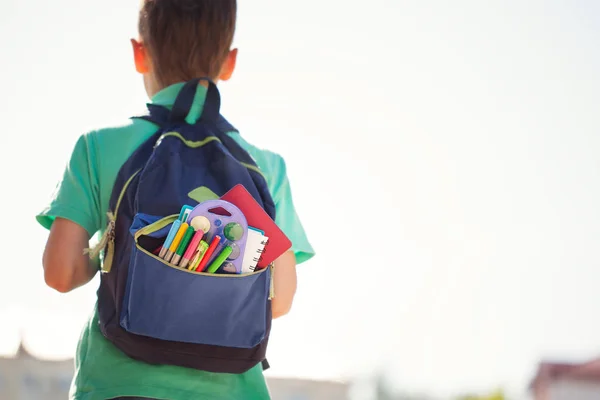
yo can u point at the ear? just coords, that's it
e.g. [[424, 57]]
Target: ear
[[140, 57], [229, 65]]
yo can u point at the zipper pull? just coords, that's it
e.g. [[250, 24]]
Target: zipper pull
[[158, 141], [109, 255], [272, 283], [107, 243]]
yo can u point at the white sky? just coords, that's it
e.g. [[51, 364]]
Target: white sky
[[443, 158]]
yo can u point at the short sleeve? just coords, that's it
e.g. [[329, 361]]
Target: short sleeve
[[286, 216], [76, 196]]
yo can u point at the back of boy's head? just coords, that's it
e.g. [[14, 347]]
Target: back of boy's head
[[187, 39]]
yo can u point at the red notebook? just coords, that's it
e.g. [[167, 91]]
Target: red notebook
[[278, 242]]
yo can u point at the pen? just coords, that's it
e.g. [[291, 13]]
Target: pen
[[169, 239], [176, 242], [219, 260], [183, 245], [193, 247], [209, 251], [202, 247]]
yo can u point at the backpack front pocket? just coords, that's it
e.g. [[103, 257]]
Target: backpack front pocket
[[166, 302]]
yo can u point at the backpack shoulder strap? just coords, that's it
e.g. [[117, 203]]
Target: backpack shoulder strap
[[185, 99], [158, 115], [162, 116], [265, 365]]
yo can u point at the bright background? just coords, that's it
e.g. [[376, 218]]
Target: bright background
[[443, 158]]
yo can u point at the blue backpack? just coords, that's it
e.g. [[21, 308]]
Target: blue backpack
[[161, 314]]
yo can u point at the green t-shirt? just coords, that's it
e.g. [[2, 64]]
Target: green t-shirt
[[101, 370]]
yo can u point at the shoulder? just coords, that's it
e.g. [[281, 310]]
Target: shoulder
[[269, 162], [111, 146], [108, 148], [123, 135]]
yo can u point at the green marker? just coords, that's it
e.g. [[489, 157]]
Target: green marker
[[219, 260], [189, 233]]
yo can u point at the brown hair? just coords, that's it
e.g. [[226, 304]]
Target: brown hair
[[187, 39]]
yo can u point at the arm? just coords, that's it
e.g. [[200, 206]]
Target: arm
[[285, 282], [73, 217], [284, 273], [66, 267]]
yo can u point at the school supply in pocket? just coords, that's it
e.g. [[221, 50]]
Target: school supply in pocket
[[192, 248], [234, 246], [258, 218], [225, 231], [224, 217], [255, 245], [160, 313], [169, 240]]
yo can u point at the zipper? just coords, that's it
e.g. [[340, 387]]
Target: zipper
[[195, 144], [188, 143], [122, 194], [158, 225], [108, 238]]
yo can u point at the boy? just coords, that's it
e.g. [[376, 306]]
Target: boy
[[179, 40]]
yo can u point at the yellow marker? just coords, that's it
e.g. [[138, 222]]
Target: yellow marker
[[176, 241]]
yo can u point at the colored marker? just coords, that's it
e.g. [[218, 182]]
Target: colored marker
[[209, 252], [169, 239], [193, 247], [185, 213], [176, 241], [189, 233], [202, 247], [219, 260]]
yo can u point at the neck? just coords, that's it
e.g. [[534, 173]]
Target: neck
[[152, 87]]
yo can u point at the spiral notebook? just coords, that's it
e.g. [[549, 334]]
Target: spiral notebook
[[278, 242], [255, 246]]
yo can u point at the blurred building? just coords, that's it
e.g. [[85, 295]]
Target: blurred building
[[25, 377], [562, 381], [299, 389]]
